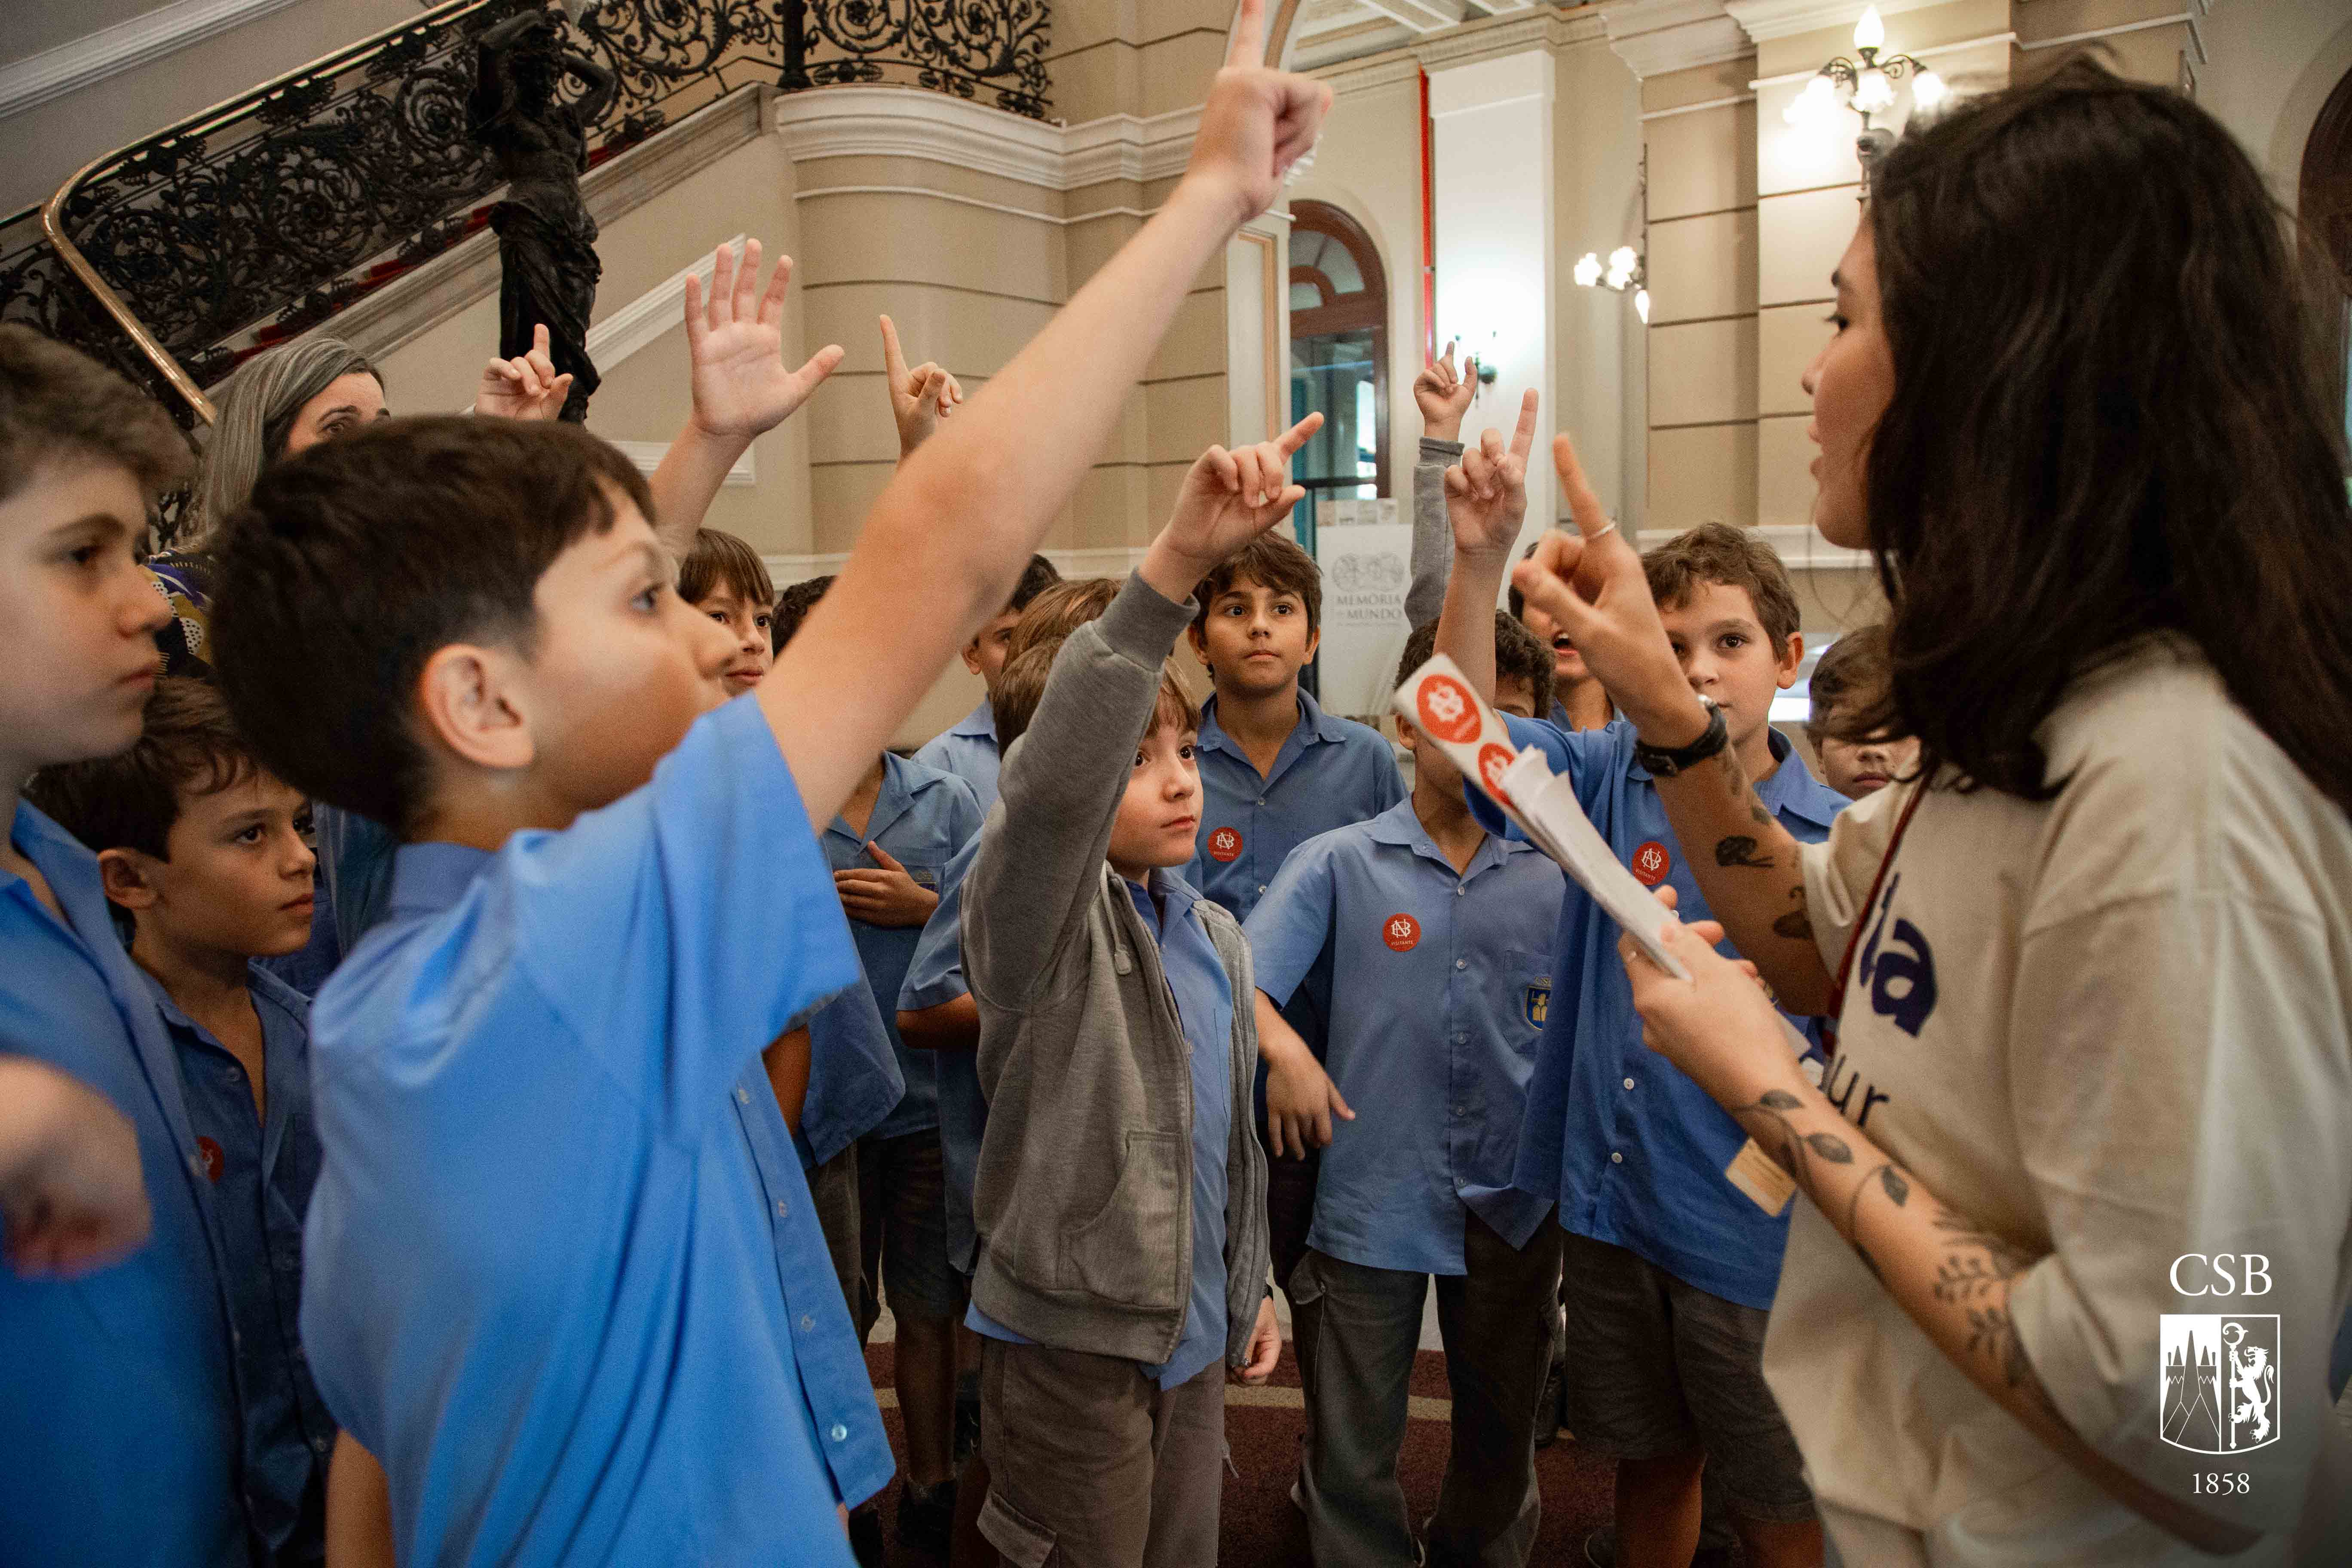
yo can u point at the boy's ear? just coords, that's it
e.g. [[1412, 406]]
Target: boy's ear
[[1407, 735], [474, 703], [1314, 641], [972, 655], [1792, 658], [123, 874], [1199, 644]]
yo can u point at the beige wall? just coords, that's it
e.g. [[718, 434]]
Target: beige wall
[[2270, 65], [41, 147]]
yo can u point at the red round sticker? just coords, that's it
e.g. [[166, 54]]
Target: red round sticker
[[1492, 760], [1447, 710], [1225, 846], [213, 1158], [1402, 932], [1651, 863]]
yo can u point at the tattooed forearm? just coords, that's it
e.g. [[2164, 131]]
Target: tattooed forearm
[[1796, 925], [1784, 1143], [1740, 850], [1885, 1179]]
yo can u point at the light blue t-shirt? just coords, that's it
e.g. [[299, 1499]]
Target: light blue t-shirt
[[1632, 1150], [1204, 1007], [1440, 986], [1330, 773], [921, 817], [968, 750], [123, 1434], [564, 1278]]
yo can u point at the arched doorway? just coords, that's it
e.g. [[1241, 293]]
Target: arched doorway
[[1339, 353]]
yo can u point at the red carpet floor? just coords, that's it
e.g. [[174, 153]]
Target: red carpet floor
[[1261, 1530]]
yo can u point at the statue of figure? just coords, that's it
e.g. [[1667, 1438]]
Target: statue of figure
[[547, 241]]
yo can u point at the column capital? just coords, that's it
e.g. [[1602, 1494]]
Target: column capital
[[1654, 36]]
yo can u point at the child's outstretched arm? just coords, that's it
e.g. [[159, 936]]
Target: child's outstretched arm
[[1041, 856], [944, 546], [741, 389]]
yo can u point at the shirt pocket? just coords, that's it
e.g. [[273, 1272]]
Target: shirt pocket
[[1526, 1002], [1128, 1250]]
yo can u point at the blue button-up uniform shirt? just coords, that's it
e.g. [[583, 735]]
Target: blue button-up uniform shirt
[[1440, 986], [921, 817], [261, 1168], [1204, 1007], [123, 1435], [1634, 1150], [854, 1078], [935, 976], [564, 1278], [969, 750], [1330, 773]]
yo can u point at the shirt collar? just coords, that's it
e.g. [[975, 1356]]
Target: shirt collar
[[1313, 725], [428, 877], [981, 723], [1400, 825]]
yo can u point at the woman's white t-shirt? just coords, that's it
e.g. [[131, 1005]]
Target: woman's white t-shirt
[[2115, 1027]]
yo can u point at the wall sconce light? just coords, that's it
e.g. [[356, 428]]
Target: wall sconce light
[[1625, 270], [1866, 86]]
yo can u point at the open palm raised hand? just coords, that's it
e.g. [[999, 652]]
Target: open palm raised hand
[[736, 338]]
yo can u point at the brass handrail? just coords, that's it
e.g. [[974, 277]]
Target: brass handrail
[[219, 114]]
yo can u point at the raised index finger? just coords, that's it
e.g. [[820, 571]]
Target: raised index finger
[[894, 360], [1298, 434], [1248, 48], [1522, 440]]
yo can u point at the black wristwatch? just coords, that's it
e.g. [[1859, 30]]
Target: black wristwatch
[[1664, 762]]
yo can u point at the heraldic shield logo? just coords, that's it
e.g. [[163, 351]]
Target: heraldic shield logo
[[2221, 1380]]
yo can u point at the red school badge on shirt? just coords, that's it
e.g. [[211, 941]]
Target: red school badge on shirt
[[1402, 932], [1225, 846], [1651, 863], [210, 1153]]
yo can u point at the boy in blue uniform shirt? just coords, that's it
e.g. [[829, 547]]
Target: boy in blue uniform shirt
[[1669, 1269], [130, 1448], [564, 1278], [204, 854], [889, 849], [1438, 999]]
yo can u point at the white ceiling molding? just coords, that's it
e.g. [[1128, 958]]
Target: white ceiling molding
[[647, 456], [1421, 16], [1657, 36], [907, 122], [94, 57], [930, 195], [2141, 25], [1767, 19]]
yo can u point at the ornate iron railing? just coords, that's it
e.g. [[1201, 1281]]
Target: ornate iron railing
[[262, 217]]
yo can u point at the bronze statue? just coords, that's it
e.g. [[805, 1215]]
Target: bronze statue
[[547, 241]]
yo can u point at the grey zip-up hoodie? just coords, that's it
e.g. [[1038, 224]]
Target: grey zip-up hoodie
[[1084, 1195]]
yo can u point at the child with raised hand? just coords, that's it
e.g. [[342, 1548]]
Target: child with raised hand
[[565, 1280], [1437, 1001], [83, 455], [1669, 1269], [203, 854], [1118, 1047]]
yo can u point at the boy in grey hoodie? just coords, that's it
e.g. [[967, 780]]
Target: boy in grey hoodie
[[1120, 1199]]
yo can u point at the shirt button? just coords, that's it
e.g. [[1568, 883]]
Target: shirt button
[[1629, 1083], [840, 1434], [318, 1445], [1457, 889], [742, 1095], [1616, 1159], [1462, 1039], [808, 1321], [1261, 887], [1461, 963], [783, 1209], [1261, 800], [233, 1074]]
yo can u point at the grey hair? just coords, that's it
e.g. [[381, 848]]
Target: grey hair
[[257, 414]]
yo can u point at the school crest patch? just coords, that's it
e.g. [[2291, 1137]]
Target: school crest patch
[[1536, 1004], [2217, 1381]]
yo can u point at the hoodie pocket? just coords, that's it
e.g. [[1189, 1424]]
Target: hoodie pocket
[[1128, 1252]]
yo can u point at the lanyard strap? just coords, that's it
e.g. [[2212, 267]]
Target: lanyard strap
[[1854, 937]]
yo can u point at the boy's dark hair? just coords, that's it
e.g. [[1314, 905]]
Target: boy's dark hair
[[1269, 560], [1517, 600], [1060, 610], [792, 606], [1035, 578], [1718, 553], [1518, 657], [360, 559], [1850, 676], [1022, 685], [57, 405], [719, 559], [130, 801]]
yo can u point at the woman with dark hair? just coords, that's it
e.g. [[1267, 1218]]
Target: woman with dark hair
[[2093, 963]]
